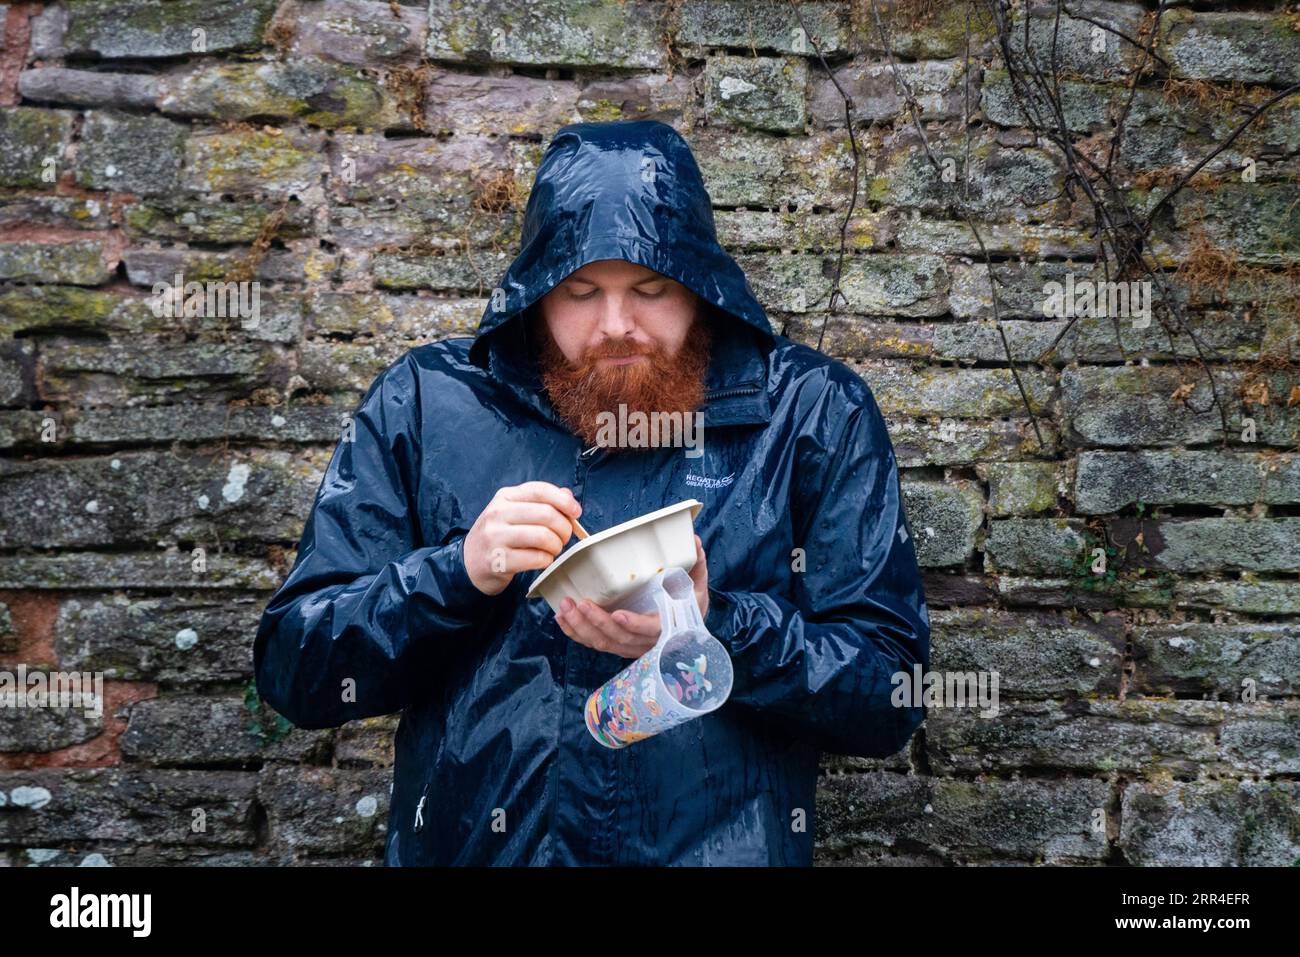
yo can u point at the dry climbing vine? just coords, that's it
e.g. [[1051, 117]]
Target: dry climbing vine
[[1124, 234]]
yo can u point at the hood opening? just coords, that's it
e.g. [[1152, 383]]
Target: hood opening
[[509, 331], [512, 349]]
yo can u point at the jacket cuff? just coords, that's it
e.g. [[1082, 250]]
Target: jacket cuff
[[460, 596], [721, 619]]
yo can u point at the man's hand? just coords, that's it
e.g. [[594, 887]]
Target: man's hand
[[524, 526], [624, 632]]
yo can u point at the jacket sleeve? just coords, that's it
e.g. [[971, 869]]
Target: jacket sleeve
[[823, 667], [345, 635]]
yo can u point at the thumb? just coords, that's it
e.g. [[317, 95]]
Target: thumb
[[700, 570]]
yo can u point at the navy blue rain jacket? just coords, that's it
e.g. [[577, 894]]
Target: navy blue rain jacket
[[814, 586]]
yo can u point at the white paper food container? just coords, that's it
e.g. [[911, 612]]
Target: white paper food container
[[611, 563]]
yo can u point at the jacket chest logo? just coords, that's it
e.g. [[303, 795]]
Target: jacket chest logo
[[705, 481]]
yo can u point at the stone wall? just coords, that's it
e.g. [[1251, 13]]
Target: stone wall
[[367, 164]]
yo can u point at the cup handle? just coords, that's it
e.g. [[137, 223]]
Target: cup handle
[[675, 598]]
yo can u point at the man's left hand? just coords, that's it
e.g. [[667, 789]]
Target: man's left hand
[[624, 632]]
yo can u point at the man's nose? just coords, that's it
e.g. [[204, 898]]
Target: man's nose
[[616, 318]]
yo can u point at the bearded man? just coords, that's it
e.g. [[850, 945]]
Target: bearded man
[[473, 457]]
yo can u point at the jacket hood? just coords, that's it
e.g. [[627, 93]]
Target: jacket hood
[[627, 189]]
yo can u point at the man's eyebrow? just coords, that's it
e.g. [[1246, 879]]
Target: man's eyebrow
[[639, 282]]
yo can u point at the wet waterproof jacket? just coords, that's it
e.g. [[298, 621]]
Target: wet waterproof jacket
[[813, 582]]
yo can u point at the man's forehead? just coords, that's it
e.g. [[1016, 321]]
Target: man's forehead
[[605, 270]]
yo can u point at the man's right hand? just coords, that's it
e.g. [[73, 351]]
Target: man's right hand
[[524, 526]]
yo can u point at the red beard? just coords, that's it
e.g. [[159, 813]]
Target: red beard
[[660, 383]]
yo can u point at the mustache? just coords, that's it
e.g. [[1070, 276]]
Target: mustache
[[618, 350]]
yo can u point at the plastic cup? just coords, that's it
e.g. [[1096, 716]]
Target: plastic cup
[[685, 675]]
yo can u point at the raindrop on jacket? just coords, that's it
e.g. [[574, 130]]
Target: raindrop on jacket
[[813, 582]]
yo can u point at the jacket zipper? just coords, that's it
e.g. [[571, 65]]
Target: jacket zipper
[[731, 391], [582, 464], [585, 461], [418, 824]]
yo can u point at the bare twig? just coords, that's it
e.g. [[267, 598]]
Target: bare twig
[[833, 304], [915, 109]]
